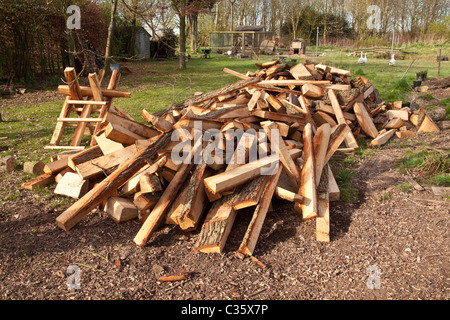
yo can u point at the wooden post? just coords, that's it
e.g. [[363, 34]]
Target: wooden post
[[113, 82], [308, 190], [439, 63]]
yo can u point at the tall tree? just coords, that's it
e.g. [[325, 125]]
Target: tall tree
[[110, 36], [180, 7]]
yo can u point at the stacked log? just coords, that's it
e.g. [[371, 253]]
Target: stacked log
[[197, 163]]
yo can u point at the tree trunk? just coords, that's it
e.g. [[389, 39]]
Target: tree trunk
[[132, 45], [182, 57], [232, 16], [110, 35], [194, 32]]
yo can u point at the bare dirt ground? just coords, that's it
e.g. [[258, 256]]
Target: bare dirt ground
[[403, 236]]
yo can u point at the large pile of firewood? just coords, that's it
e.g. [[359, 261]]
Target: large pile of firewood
[[197, 163]]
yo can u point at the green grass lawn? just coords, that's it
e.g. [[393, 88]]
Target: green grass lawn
[[155, 85]]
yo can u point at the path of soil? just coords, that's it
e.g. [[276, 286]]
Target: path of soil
[[403, 236]]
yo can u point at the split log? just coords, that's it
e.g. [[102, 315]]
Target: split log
[[349, 139], [103, 164], [402, 114], [240, 175], [308, 208], [293, 82], [121, 209], [188, 124], [267, 64], [300, 71], [321, 118], [317, 75], [308, 116], [323, 218], [288, 195], [130, 125], [414, 119], [235, 73], [122, 113], [321, 106], [333, 70], [194, 202], [149, 183], [278, 145], [334, 194], [109, 185], [84, 156], [405, 134], [425, 123], [61, 174], [321, 140], [33, 167], [247, 144], [274, 116], [177, 205], [311, 91], [39, 181], [56, 166], [248, 244], [72, 185], [217, 226], [106, 145], [121, 135], [210, 95], [250, 194], [382, 138], [255, 97], [87, 91], [397, 105], [276, 104], [274, 70], [365, 120], [159, 123], [394, 123], [155, 217], [146, 201], [336, 139], [336, 87]]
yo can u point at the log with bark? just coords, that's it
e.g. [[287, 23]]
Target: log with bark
[[297, 118]]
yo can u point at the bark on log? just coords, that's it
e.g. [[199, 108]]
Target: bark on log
[[7, 164], [110, 184]]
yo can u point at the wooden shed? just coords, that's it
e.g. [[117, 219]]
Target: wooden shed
[[142, 43], [244, 37]]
